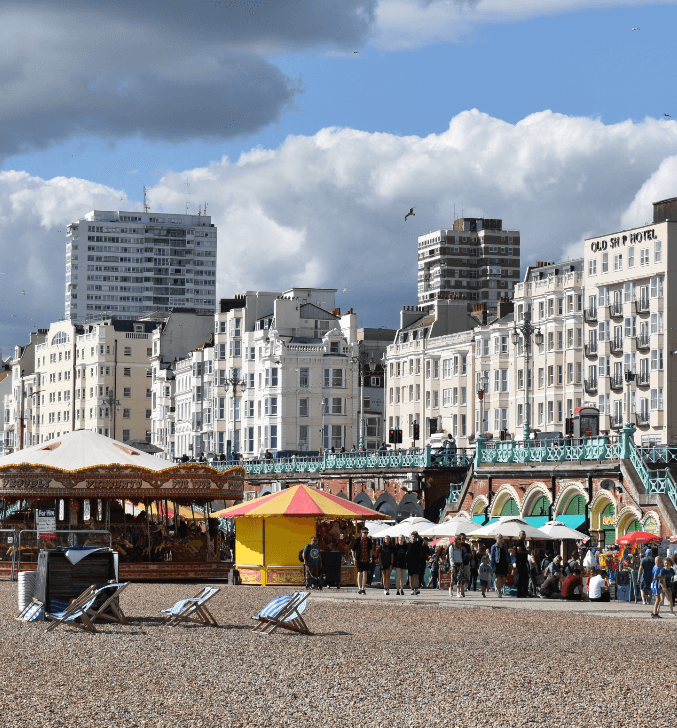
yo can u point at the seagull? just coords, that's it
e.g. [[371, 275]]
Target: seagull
[[13, 315], [635, 28], [668, 115], [24, 292], [345, 290], [355, 51], [411, 212]]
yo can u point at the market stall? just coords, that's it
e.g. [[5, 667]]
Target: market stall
[[270, 532], [76, 490]]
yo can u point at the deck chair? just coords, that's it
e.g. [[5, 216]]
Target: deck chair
[[32, 612], [110, 609], [75, 614], [283, 612], [193, 609]]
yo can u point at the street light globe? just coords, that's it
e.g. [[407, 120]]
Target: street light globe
[[538, 337], [515, 337]]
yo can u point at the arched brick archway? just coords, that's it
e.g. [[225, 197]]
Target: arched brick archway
[[364, 500], [506, 502], [536, 501], [385, 503], [409, 506]]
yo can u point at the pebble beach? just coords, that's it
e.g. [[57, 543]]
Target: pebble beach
[[367, 664]]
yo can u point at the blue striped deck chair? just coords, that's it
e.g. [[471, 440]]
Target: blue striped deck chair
[[283, 612], [75, 614], [193, 609], [32, 612], [110, 609]]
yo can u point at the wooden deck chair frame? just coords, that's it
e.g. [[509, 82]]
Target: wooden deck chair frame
[[195, 609], [82, 621], [31, 612], [283, 619], [113, 603]]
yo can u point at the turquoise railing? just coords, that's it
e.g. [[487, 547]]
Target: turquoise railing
[[653, 481], [544, 451], [388, 459]]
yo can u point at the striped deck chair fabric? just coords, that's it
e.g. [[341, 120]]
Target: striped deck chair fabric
[[285, 612], [32, 612], [193, 609], [75, 613], [110, 609]]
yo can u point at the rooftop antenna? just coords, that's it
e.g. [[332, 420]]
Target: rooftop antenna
[[145, 200], [199, 211], [187, 193], [205, 212]]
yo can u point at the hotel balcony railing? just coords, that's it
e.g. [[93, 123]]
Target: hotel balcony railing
[[616, 346], [642, 419], [591, 348], [590, 315], [643, 379], [643, 342], [616, 309], [642, 305], [616, 382], [616, 422], [590, 386]]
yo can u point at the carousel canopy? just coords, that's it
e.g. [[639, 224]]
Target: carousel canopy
[[83, 449], [300, 501]]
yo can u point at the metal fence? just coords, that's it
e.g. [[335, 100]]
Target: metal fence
[[9, 538], [568, 450], [29, 543]]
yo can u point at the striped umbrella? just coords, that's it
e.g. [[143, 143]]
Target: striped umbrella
[[300, 501]]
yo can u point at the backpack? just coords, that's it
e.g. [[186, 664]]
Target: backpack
[[301, 554]]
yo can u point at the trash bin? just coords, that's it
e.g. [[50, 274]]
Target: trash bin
[[331, 568]]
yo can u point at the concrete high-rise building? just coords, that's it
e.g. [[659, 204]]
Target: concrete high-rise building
[[127, 264], [478, 259]]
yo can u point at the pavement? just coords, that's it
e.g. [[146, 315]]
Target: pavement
[[441, 598]]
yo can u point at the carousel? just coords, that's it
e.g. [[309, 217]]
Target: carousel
[[86, 489]]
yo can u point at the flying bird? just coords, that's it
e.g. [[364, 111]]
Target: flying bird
[[411, 212], [635, 28], [13, 315], [345, 290], [355, 51], [24, 292]]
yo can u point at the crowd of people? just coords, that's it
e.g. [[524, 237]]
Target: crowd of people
[[489, 568]]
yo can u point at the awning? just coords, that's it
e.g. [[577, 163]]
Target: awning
[[480, 520], [571, 521]]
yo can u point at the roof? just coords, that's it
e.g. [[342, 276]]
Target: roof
[[425, 320], [300, 501], [311, 311], [83, 449]]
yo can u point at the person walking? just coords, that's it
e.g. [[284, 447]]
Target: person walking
[[657, 582], [500, 563], [474, 568], [400, 562], [426, 552], [385, 561], [522, 566], [434, 568], [485, 573], [458, 579], [312, 557], [644, 576], [362, 551], [414, 555]]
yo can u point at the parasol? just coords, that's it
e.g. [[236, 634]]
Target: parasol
[[452, 527], [406, 527], [510, 527], [300, 501], [562, 532], [640, 537]]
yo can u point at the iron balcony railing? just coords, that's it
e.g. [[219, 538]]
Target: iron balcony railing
[[642, 419], [642, 305], [616, 421], [590, 386], [590, 348], [616, 309], [616, 381], [616, 346], [643, 342], [590, 315], [565, 449], [643, 378]]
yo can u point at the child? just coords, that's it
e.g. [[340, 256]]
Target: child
[[486, 573]]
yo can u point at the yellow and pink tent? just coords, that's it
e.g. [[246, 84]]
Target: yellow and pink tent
[[270, 531]]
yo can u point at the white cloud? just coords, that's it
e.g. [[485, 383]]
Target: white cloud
[[328, 210], [416, 23]]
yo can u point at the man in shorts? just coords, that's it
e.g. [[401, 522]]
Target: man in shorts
[[362, 551]]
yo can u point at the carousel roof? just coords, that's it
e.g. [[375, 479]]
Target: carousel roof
[[300, 501], [83, 449]]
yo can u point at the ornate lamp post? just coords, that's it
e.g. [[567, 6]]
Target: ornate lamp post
[[526, 330], [112, 406], [233, 381], [365, 364]]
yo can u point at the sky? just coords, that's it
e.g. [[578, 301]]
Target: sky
[[309, 127]]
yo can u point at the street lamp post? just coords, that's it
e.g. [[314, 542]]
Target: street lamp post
[[526, 330], [112, 406], [323, 407], [365, 363], [233, 381]]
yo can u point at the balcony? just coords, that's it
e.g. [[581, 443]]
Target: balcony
[[616, 421], [642, 419], [591, 348], [590, 315], [642, 305], [616, 381], [643, 379], [643, 342], [616, 346], [616, 310], [590, 386]]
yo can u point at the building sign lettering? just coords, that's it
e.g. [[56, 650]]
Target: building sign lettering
[[620, 240]]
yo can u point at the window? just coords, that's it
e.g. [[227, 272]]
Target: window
[[447, 368], [541, 378], [570, 373], [559, 374], [128, 351], [644, 256], [304, 409], [125, 435], [541, 414], [334, 347], [304, 377], [605, 262], [656, 359], [657, 251], [520, 379], [570, 338], [127, 372], [271, 377], [273, 436], [235, 347], [127, 392], [446, 397], [631, 256], [334, 377], [303, 434], [436, 399], [436, 369], [127, 413], [551, 411], [148, 414], [618, 261], [551, 340], [551, 375], [559, 340], [463, 395], [337, 406], [657, 287], [592, 267], [657, 399]]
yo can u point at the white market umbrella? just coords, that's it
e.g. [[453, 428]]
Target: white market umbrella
[[510, 527], [374, 527], [406, 527], [562, 532], [452, 527]]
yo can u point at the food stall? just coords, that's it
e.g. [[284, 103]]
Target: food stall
[[76, 490], [271, 531]]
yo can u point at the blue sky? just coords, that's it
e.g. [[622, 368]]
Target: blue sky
[[420, 65]]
